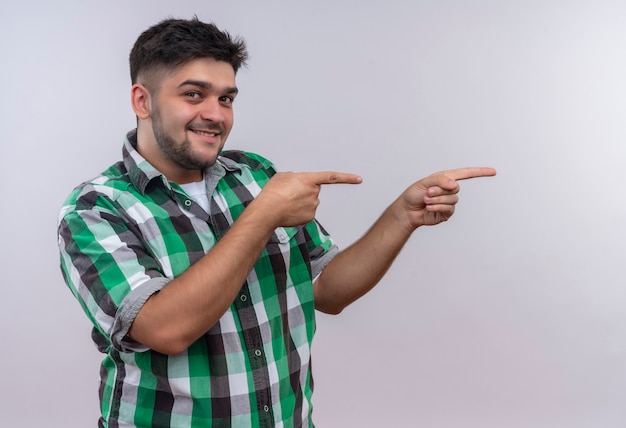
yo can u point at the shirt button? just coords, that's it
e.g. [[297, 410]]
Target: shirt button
[[258, 352], [243, 297], [187, 202], [266, 408]]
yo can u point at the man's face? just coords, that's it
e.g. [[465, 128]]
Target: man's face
[[191, 116]]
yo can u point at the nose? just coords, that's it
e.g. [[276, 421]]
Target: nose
[[212, 110]]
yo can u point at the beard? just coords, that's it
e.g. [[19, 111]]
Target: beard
[[180, 153]]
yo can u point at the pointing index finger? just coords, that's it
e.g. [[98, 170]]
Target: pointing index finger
[[470, 172], [331, 177]]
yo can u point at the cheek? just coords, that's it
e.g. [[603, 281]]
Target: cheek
[[177, 119], [229, 120]]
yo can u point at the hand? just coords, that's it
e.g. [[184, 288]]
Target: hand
[[432, 200], [293, 197]]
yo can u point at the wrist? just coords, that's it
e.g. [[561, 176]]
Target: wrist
[[400, 219]]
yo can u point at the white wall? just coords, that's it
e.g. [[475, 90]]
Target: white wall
[[513, 314]]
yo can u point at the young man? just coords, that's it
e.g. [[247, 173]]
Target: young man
[[201, 269]]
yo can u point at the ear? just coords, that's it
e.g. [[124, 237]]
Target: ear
[[140, 101]]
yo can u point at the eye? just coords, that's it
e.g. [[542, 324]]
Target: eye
[[227, 99], [194, 95]]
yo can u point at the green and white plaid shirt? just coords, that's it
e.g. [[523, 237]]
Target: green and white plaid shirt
[[125, 234]]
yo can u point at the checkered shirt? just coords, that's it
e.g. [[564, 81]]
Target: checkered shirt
[[125, 234]]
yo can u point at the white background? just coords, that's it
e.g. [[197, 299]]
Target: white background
[[512, 314]]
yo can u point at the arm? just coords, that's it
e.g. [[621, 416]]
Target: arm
[[192, 303], [358, 268]]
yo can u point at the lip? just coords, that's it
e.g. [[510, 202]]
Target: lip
[[207, 135]]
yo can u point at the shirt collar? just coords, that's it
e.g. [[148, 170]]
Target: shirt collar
[[141, 172]]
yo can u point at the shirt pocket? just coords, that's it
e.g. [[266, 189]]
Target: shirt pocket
[[290, 244]]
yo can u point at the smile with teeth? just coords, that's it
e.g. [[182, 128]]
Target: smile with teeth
[[206, 133]]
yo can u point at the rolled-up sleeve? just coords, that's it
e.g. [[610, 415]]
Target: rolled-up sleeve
[[322, 247], [128, 310]]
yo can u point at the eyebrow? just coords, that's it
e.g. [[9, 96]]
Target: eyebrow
[[206, 86]]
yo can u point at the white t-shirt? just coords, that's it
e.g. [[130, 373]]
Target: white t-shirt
[[197, 190]]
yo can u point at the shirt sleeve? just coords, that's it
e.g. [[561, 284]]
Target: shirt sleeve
[[107, 268], [322, 247]]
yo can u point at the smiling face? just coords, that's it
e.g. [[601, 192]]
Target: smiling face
[[185, 120]]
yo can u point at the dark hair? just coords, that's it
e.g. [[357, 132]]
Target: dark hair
[[174, 42]]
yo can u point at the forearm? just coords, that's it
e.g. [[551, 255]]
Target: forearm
[[357, 269], [192, 303]]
